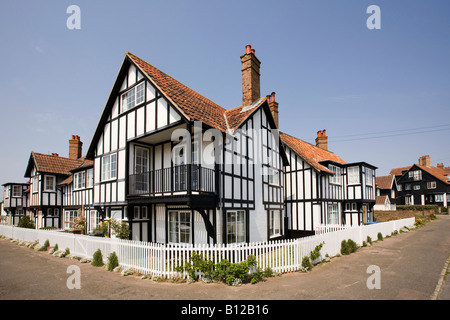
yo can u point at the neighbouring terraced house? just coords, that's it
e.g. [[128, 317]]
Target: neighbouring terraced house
[[178, 168]]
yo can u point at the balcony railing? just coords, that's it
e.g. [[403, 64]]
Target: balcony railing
[[183, 178]]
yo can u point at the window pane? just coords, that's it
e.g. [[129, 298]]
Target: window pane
[[140, 93]]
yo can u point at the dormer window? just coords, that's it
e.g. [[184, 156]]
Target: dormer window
[[133, 97]]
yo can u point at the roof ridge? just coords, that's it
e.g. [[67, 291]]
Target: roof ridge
[[312, 145], [182, 96]]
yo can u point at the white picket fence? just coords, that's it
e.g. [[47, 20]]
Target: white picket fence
[[162, 259]]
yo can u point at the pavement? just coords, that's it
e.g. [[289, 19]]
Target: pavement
[[408, 266]]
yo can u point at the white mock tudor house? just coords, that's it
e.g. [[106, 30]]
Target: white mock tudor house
[[46, 172], [15, 200], [179, 168], [322, 189]]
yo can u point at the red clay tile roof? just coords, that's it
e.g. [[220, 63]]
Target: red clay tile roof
[[385, 182], [436, 172], [398, 171], [236, 116], [310, 153], [192, 104], [55, 164], [381, 199]]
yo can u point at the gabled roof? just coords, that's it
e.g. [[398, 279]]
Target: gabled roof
[[399, 171], [385, 182], [190, 104], [436, 172], [382, 200], [310, 153], [52, 164]]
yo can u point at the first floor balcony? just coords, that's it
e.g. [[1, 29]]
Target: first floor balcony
[[176, 181]]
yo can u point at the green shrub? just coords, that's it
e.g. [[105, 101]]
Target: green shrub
[[315, 254], [380, 236], [369, 240], [97, 259], [344, 247], [120, 229], [113, 261], [306, 263], [229, 272], [268, 272], [65, 253], [26, 222], [352, 246], [45, 246]]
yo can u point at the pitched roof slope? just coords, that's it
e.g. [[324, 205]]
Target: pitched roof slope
[[54, 164], [312, 154], [398, 171], [436, 172], [192, 104], [385, 182]]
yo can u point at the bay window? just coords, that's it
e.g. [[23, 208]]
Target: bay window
[[353, 175]]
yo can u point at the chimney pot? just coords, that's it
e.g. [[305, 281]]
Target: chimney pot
[[322, 140], [250, 76], [75, 147]]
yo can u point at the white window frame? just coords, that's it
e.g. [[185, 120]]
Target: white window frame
[[336, 178], [416, 187], [369, 177], [14, 192], [417, 175], [353, 175], [180, 226], [69, 216], [274, 223], [333, 213], [52, 186], [439, 197], [35, 182], [132, 98], [273, 176], [235, 228], [109, 167], [89, 178], [431, 185], [79, 180]]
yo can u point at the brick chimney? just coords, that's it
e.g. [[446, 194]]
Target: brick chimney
[[322, 140], [425, 161], [75, 147], [273, 105], [250, 76], [440, 166]]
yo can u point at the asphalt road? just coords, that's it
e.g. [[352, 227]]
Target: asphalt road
[[410, 266]]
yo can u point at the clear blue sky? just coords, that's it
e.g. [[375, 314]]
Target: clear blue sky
[[382, 95]]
